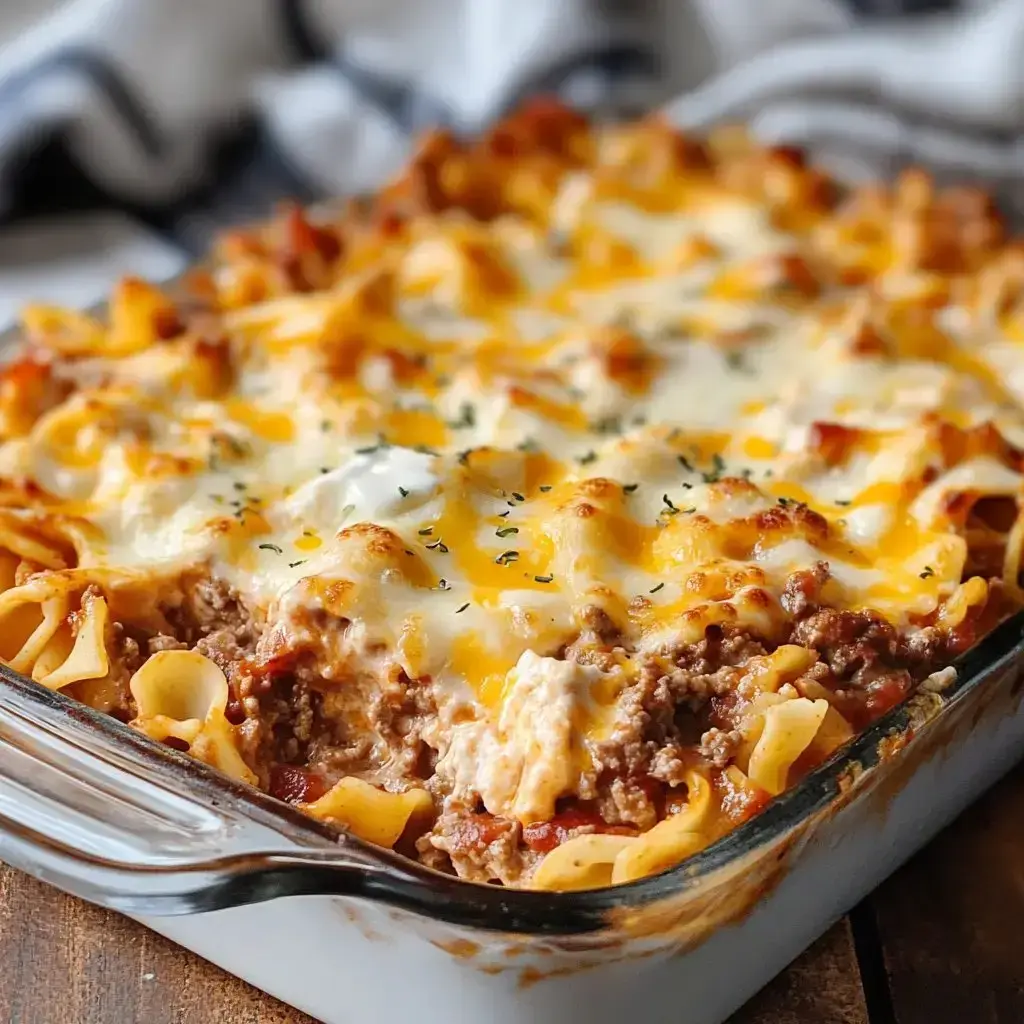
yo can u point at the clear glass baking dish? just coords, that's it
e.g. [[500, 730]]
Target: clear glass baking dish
[[101, 811]]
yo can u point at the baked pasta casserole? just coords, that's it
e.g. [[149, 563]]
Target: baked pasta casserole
[[546, 515]]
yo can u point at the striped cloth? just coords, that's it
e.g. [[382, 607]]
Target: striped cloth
[[131, 130]]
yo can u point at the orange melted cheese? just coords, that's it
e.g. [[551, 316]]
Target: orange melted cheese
[[267, 424]]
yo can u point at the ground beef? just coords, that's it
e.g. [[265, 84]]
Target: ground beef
[[802, 592], [432, 856], [163, 642], [598, 639], [125, 656], [380, 732], [719, 647], [213, 601], [859, 647], [399, 713], [112, 693], [661, 713], [646, 717], [335, 756], [668, 764], [332, 719], [479, 847], [210, 606], [685, 697], [228, 647], [719, 746], [630, 802], [930, 646], [288, 709], [866, 663]]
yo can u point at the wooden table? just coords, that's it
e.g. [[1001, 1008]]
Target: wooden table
[[941, 942]]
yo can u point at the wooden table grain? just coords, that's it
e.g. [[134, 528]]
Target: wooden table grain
[[938, 943]]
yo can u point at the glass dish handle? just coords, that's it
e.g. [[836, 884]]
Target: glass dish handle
[[149, 831]]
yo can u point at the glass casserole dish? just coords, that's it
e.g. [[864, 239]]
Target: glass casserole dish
[[528, 953]]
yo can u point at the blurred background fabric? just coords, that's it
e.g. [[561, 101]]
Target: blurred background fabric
[[131, 130]]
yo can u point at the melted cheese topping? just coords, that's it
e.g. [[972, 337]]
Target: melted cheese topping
[[660, 409], [524, 760]]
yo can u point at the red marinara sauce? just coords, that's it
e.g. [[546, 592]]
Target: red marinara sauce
[[296, 785], [544, 836]]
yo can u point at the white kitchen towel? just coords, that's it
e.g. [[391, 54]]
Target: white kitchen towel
[[189, 114]]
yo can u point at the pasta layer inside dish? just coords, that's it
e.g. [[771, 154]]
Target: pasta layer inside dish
[[545, 516]]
